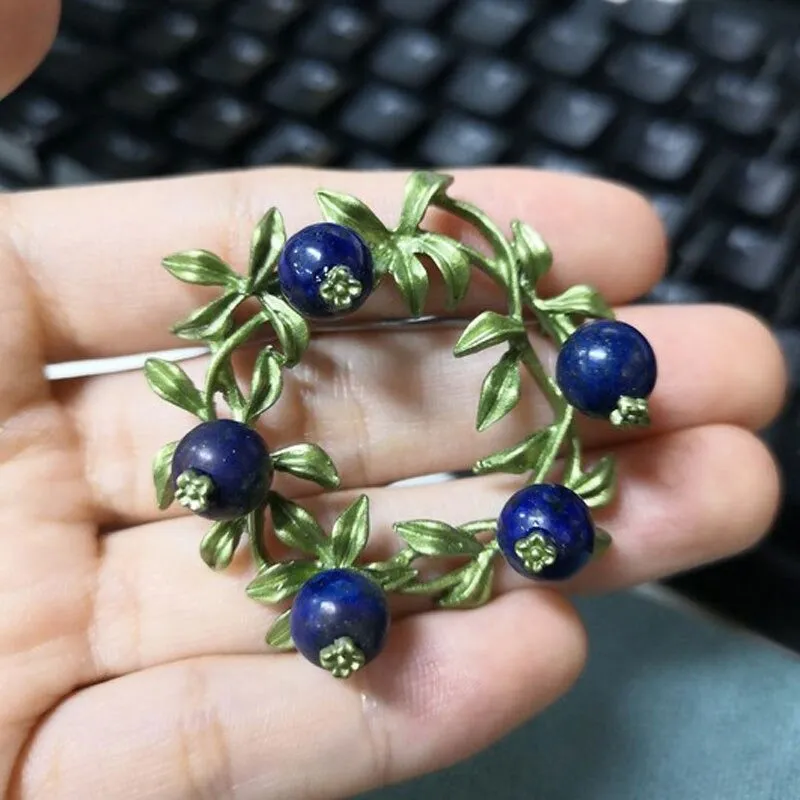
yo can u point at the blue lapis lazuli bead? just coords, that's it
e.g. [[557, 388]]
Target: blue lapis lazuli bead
[[560, 516], [236, 459], [338, 603], [311, 254], [601, 362]]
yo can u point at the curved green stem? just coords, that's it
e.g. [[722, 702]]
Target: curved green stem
[[545, 383], [501, 246], [554, 444], [437, 585], [225, 351]]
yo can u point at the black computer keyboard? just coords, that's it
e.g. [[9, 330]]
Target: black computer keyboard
[[697, 103]]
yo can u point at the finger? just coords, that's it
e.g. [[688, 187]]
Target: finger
[[684, 498], [277, 727], [395, 405], [112, 238], [27, 28]]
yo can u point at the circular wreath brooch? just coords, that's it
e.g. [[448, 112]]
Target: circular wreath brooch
[[223, 469]]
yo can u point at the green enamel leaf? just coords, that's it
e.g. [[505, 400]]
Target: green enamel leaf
[[295, 527], [281, 580], [219, 544], [391, 577], [202, 267], [346, 210], [598, 486], [350, 533], [279, 634], [309, 462], [162, 475], [532, 254], [487, 330], [432, 538], [269, 237], [410, 276], [451, 259], [475, 585], [172, 384], [267, 383], [500, 391], [289, 326], [518, 458], [212, 321], [580, 300], [421, 188]]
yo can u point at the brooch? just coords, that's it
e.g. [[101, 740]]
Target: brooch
[[223, 468]]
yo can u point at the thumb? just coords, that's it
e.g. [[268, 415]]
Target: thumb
[[27, 28]]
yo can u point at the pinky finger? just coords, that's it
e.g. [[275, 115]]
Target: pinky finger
[[449, 684]]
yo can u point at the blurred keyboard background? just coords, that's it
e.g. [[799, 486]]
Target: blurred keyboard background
[[694, 102]]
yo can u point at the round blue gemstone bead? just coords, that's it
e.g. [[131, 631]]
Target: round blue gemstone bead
[[339, 603], [326, 269], [603, 361], [235, 458], [554, 523]]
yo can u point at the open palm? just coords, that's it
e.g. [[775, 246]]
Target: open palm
[[129, 669]]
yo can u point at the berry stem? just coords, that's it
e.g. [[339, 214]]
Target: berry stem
[[505, 266], [255, 533], [554, 444], [437, 585], [224, 352]]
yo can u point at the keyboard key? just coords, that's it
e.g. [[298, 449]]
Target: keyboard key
[[337, 32], [414, 10], [651, 17], [569, 45], [673, 212], [108, 153], [234, 60], [305, 87], [463, 141], [750, 259], [293, 143], [200, 5], [492, 23], [28, 122], [651, 72], [789, 340], [671, 290], [216, 123], [488, 86], [556, 161], [167, 36], [364, 159], [101, 18], [573, 117], [792, 66], [76, 67], [382, 115], [760, 186], [146, 94], [728, 34], [412, 57], [660, 149], [743, 105], [269, 17]]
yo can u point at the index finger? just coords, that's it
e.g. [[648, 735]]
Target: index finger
[[94, 253]]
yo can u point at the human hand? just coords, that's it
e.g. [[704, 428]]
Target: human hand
[[128, 669]]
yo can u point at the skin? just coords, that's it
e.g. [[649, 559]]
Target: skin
[[112, 630]]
